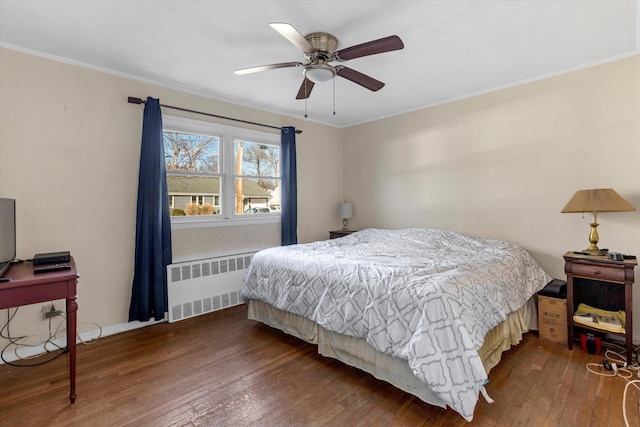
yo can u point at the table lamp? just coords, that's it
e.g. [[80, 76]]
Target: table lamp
[[344, 212], [594, 201]]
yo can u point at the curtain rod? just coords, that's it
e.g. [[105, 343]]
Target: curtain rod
[[133, 100]]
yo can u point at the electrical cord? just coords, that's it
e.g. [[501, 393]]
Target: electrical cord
[[6, 325], [624, 400], [88, 342], [623, 373], [18, 343], [615, 365], [17, 365]]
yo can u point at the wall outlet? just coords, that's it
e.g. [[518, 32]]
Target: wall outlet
[[49, 311]]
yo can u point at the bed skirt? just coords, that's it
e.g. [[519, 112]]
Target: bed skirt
[[358, 353]]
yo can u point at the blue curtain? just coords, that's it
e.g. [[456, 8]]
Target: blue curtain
[[289, 187], [153, 225]]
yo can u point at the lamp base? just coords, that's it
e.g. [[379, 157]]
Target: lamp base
[[592, 251], [345, 222], [593, 239]]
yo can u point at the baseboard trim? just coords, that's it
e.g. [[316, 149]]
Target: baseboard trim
[[38, 350]]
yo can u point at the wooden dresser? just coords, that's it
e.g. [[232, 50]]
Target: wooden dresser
[[602, 283]]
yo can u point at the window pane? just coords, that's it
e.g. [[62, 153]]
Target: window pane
[[193, 194], [257, 196], [257, 159], [191, 152], [207, 162]]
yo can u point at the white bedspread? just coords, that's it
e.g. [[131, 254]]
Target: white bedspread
[[426, 296]]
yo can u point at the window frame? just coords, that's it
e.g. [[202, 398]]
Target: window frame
[[226, 163]]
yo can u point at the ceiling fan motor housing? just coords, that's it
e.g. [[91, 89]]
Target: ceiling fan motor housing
[[325, 43]]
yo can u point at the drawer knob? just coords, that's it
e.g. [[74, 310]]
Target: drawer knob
[[596, 271]]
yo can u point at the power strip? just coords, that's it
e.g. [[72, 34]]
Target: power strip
[[54, 313], [49, 311]]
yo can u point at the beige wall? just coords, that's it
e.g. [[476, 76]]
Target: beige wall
[[498, 165], [503, 164], [69, 154]]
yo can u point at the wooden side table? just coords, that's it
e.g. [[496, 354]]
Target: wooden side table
[[602, 283], [335, 234], [26, 288]]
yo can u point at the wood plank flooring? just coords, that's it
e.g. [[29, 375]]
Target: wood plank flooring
[[221, 369]]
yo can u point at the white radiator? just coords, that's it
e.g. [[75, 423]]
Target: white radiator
[[201, 286]]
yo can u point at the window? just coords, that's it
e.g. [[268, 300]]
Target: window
[[257, 177], [221, 175]]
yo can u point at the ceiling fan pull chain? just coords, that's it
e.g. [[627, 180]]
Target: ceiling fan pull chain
[[334, 96], [305, 98]]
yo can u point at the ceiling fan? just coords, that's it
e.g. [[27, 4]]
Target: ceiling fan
[[319, 50]]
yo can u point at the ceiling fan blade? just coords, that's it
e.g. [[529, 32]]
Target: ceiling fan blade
[[267, 67], [294, 36], [373, 47], [305, 89], [359, 78]]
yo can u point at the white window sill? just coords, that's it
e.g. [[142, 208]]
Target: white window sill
[[181, 223]]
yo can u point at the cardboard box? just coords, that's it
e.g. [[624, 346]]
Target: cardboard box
[[552, 319]]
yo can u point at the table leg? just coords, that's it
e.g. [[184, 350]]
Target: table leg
[[72, 308]]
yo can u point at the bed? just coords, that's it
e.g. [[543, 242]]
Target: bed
[[429, 311]]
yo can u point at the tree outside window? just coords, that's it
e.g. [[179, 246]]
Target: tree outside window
[[218, 174], [193, 173]]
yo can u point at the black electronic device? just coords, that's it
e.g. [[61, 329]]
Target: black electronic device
[[7, 233], [51, 267], [555, 289], [616, 256], [51, 258]]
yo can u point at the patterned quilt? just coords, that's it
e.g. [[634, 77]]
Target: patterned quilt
[[423, 295]]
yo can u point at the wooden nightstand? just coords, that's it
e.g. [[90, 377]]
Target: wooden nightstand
[[339, 233], [602, 283]]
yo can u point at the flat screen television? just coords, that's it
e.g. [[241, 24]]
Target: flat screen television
[[7, 233]]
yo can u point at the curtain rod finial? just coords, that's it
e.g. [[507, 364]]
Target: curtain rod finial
[[133, 100]]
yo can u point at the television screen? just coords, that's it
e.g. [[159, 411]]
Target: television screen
[[7, 233]]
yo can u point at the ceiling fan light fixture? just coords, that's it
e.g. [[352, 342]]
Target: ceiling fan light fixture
[[319, 73]]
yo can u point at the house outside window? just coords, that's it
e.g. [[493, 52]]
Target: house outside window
[[220, 175]]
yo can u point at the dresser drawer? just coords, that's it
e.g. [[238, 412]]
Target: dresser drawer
[[599, 272]]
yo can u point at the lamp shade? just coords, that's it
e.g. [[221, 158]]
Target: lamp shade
[[597, 200], [344, 210]]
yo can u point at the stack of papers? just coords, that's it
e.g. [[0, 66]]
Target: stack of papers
[[612, 321]]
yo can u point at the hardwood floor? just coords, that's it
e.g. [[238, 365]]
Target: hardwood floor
[[221, 369]]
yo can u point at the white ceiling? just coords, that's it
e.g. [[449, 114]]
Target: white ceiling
[[453, 49]]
